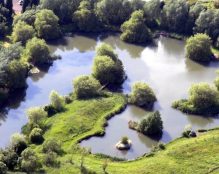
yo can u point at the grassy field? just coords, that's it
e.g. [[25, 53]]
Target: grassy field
[[85, 118]]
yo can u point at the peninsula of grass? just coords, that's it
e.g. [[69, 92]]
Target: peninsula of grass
[[84, 118]]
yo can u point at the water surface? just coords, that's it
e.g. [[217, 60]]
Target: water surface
[[163, 66]]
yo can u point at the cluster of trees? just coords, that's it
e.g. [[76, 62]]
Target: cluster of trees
[[41, 23], [6, 12], [107, 70], [142, 95], [203, 99]]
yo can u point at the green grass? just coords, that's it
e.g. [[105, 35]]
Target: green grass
[[85, 118]]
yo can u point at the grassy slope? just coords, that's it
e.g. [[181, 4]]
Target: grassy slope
[[84, 118]]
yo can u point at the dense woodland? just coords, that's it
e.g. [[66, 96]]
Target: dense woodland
[[139, 22]]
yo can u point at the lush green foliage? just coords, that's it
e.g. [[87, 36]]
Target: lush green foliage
[[86, 87], [36, 136], [18, 143], [86, 18], [37, 52], [28, 17], [107, 68], [142, 95], [151, 125], [3, 168], [134, 30], [203, 99], [52, 146], [56, 101], [46, 25], [36, 115], [22, 32], [198, 48]]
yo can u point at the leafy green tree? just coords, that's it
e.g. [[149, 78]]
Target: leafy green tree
[[36, 115], [9, 6], [86, 87], [36, 136], [62, 8], [4, 19], [52, 145], [18, 143], [37, 52], [142, 95], [16, 73], [175, 15], [106, 50], [134, 30], [86, 18], [3, 168], [108, 71], [22, 32], [57, 101], [28, 17], [198, 48], [203, 97], [10, 158], [208, 22], [46, 25], [151, 125], [113, 12], [29, 161]]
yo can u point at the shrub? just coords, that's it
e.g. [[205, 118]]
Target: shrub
[[106, 50], [22, 32], [151, 125], [50, 159], [57, 101], [36, 136], [108, 71], [198, 48], [86, 87], [216, 82], [36, 115], [37, 51], [203, 96], [3, 168], [124, 140], [18, 143], [29, 161], [28, 17], [142, 95], [52, 146], [46, 25], [134, 30], [10, 158], [16, 73]]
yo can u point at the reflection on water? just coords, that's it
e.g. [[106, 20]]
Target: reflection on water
[[163, 67]]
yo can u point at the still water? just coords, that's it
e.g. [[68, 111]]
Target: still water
[[163, 66]]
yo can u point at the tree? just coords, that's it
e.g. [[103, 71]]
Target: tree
[[208, 22], [175, 15], [56, 101], [36, 115], [134, 30], [107, 68], [29, 161], [52, 145], [16, 73], [203, 97], [10, 158], [151, 125], [9, 6], [3, 168], [113, 12], [22, 32], [36, 136], [86, 87], [198, 48], [25, 5], [107, 71], [86, 18], [62, 8], [46, 25], [142, 95], [18, 143], [37, 52], [28, 17], [106, 50]]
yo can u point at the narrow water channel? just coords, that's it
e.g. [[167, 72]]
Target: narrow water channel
[[163, 67]]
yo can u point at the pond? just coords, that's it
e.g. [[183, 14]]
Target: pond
[[163, 66]]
